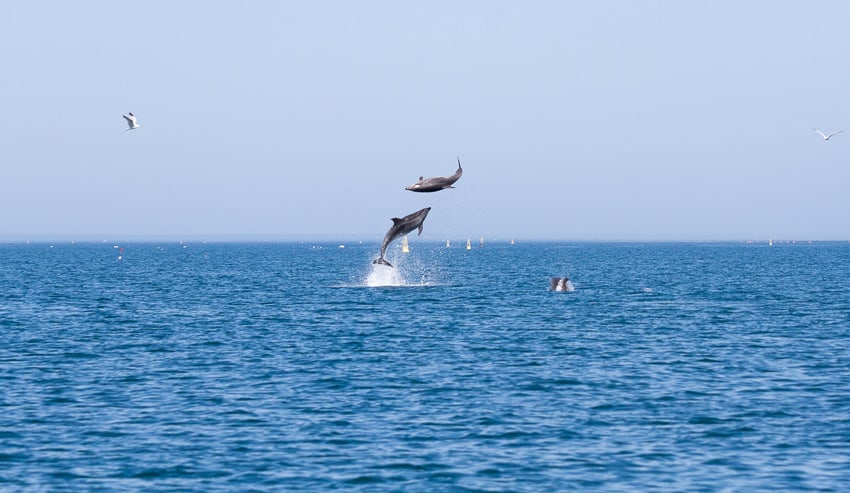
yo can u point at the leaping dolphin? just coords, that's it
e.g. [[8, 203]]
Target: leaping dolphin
[[438, 183], [401, 227]]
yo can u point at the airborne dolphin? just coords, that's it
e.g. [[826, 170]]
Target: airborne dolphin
[[438, 183], [401, 227]]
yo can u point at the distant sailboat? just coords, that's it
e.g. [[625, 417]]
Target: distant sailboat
[[770, 242], [481, 242], [512, 241], [468, 244], [448, 244], [404, 247]]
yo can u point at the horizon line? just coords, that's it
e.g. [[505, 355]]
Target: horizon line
[[342, 239]]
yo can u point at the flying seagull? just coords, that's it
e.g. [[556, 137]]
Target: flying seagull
[[825, 136], [131, 121]]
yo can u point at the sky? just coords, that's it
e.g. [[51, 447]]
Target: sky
[[574, 120]]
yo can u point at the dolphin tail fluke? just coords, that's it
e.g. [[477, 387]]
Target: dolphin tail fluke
[[458, 163], [382, 261]]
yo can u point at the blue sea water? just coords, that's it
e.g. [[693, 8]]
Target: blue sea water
[[303, 367]]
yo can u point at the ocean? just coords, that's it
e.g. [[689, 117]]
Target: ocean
[[303, 367]]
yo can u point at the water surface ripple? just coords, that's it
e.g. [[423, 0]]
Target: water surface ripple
[[279, 367]]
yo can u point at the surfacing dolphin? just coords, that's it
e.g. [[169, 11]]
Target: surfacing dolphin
[[438, 183], [401, 227], [561, 284]]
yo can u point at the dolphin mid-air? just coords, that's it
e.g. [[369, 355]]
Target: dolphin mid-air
[[438, 183], [401, 227]]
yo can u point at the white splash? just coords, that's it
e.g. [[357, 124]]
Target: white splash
[[562, 284], [381, 275]]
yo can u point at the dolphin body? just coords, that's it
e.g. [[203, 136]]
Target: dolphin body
[[561, 284], [438, 183], [401, 227]]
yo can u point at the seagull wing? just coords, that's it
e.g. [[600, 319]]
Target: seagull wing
[[821, 133], [834, 133]]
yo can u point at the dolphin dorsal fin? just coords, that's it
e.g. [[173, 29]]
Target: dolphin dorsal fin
[[421, 178], [395, 220]]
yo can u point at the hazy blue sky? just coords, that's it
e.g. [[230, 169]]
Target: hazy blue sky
[[608, 120]]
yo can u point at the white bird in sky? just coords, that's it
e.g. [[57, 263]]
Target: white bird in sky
[[131, 121], [825, 136]]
